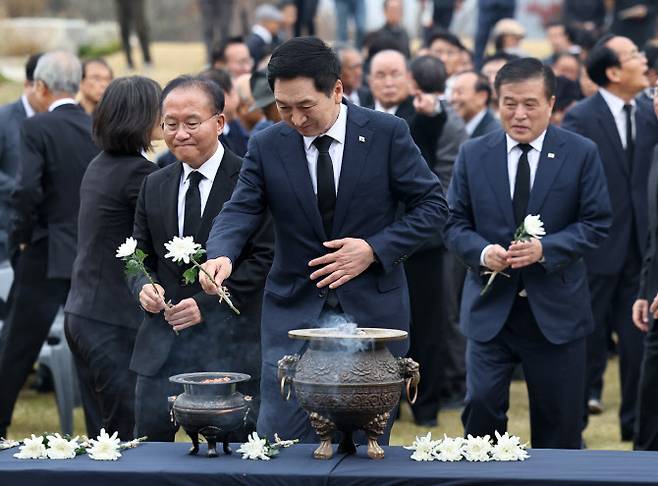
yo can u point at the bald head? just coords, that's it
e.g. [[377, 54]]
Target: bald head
[[389, 78]]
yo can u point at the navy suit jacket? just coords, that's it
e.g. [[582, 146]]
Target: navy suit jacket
[[628, 188], [488, 124], [381, 168], [570, 195]]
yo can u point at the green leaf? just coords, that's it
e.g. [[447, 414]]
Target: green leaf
[[190, 275], [139, 255]]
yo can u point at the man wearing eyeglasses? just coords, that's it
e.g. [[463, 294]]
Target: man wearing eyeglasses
[[625, 132], [184, 329]]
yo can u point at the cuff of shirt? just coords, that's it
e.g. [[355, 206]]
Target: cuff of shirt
[[483, 254]]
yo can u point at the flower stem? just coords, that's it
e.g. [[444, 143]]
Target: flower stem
[[489, 282], [148, 275], [221, 293]]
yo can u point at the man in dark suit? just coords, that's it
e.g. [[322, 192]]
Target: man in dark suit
[[470, 97], [625, 132], [333, 176], [535, 316], [351, 74], [262, 38], [182, 200], [56, 148]]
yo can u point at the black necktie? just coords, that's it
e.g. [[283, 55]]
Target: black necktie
[[522, 185], [630, 145], [192, 204], [326, 185]]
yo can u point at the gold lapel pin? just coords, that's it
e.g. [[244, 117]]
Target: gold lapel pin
[[362, 139]]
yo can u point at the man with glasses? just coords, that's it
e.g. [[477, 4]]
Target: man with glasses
[[625, 132], [184, 329]]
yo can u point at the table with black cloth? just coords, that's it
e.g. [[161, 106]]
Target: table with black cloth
[[168, 464]]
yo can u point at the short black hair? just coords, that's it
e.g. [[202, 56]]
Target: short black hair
[[524, 69], [481, 84], [381, 40], [444, 35], [429, 73], [126, 114], [218, 53], [500, 56], [210, 88], [567, 92], [95, 60], [307, 57], [30, 65], [600, 58], [219, 76]]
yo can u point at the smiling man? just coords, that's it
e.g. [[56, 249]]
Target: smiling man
[[332, 175], [536, 315]]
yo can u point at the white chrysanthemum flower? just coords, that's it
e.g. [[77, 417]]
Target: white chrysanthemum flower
[[60, 448], [255, 448], [534, 226], [450, 449], [477, 449], [105, 447], [32, 449], [181, 249], [424, 448], [508, 448], [127, 248]]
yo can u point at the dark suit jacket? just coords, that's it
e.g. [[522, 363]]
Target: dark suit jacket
[[628, 188], [236, 140], [488, 124], [56, 148], [381, 168], [108, 196], [649, 276], [257, 48], [156, 222], [11, 117], [569, 193]]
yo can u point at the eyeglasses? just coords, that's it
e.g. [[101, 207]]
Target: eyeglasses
[[632, 56], [172, 126]]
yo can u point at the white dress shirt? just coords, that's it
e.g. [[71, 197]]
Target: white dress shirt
[[616, 106], [354, 98], [209, 171], [29, 111], [513, 156], [390, 111], [337, 132], [263, 33], [60, 102], [474, 122]]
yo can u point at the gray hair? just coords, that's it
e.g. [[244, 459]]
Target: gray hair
[[61, 71]]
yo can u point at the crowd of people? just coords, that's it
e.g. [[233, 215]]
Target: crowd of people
[[378, 181]]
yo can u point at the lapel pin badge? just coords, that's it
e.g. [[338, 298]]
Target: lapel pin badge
[[551, 155], [362, 139]]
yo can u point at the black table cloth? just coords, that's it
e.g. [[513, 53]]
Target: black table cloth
[[168, 464]]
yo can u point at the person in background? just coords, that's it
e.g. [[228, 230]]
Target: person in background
[[490, 67], [489, 13], [101, 316], [471, 97], [96, 76], [264, 101], [351, 74], [507, 36], [559, 40], [248, 117], [56, 147], [447, 47], [233, 56], [394, 15], [306, 10], [132, 14], [216, 17], [567, 94], [635, 19], [262, 38], [356, 10], [289, 11], [567, 65]]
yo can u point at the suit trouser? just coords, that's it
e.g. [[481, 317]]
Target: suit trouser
[[346, 9], [555, 377], [306, 10], [488, 14], [612, 300], [35, 303], [216, 18], [101, 352], [646, 425], [131, 12]]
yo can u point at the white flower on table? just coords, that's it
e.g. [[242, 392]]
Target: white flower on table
[[105, 447], [32, 449], [477, 449], [450, 449], [424, 448], [127, 248], [255, 448], [61, 448], [181, 249], [509, 448]]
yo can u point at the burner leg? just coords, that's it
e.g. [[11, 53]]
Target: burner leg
[[374, 429], [346, 445], [212, 450], [227, 448], [325, 429], [195, 442]]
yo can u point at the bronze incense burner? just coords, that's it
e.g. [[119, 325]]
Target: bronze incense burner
[[347, 380]]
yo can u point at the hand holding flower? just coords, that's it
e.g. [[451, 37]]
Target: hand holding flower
[[183, 315], [151, 298], [524, 253], [496, 258]]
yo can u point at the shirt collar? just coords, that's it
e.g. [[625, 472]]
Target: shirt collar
[[337, 130], [263, 33], [474, 122], [209, 168], [390, 111], [536, 144], [29, 111], [60, 102], [614, 102]]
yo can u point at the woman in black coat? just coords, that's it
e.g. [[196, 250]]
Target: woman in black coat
[[101, 315]]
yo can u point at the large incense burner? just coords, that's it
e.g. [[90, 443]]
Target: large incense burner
[[210, 406], [347, 380]]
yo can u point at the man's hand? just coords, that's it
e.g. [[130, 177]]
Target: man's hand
[[496, 258], [351, 258], [641, 313], [184, 314], [220, 269], [653, 308], [425, 103], [150, 300], [522, 254]]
